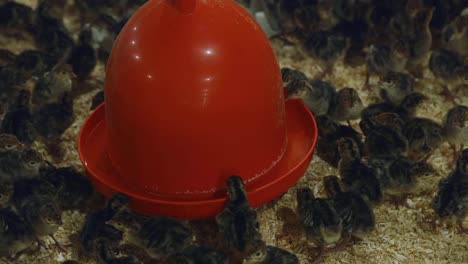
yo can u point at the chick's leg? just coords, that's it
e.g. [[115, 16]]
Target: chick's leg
[[327, 71], [366, 86], [58, 245], [448, 95], [318, 258]]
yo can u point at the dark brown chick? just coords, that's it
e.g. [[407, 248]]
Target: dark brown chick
[[329, 132], [452, 197], [456, 127], [384, 135], [96, 227], [355, 175], [397, 174], [322, 224], [83, 58], [356, 212], [424, 136], [449, 69], [238, 221], [327, 47], [19, 120], [34, 63], [53, 38], [73, 189]]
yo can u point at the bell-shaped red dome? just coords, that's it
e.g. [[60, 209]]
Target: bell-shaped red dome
[[193, 95]]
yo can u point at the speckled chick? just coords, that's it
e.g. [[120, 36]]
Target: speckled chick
[[455, 35], [238, 221], [406, 110], [384, 135], [10, 143], [73, 189], [381, 59], [17, 165], [288, 75], [329, 132], [15, 234], [52, 37], [162, 236], [50, 10], [317, 95], [53, 119], [264, 254], [15, 18], [449, 69], [397, 174], [321, 222], [420, 41], [456, 126], [355, 175], [106, 255], [355, 212], [347, 105], [34, 63], [452, 197], [26, 189], [395, 86], [424, 136], [95, 226], [42, 213], [52, 86], [12, 81], [18, 120], [199, 255], [327, 47]]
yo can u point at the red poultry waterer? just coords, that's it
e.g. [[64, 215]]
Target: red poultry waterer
[[193, 94]]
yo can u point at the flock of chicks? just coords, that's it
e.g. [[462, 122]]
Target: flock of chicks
[[393, 42]]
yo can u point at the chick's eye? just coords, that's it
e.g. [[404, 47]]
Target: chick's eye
[[32, 163]]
